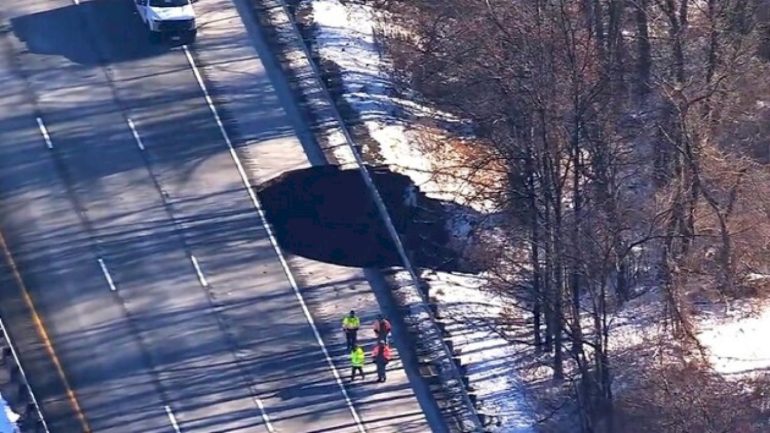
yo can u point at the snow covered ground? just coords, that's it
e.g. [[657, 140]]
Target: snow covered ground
[[8, 418], [474, 328], [345, 35], [733, 336], [737, 340]]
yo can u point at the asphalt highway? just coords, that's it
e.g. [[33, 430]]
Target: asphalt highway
[[138, 279]]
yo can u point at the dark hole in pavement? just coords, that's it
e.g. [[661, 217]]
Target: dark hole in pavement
[[327, 214]]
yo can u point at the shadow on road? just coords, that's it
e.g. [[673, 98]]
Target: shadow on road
[[94, 157], [60, 32], [327, 214]]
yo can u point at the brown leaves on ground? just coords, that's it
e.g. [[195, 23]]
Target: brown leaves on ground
[[686, 398]]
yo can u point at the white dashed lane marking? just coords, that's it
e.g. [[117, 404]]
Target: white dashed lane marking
[[106, 273], [134, 132], [172, 419], [44, 132], [201, 277]]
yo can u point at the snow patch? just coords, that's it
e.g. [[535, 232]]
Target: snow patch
[[8, 418], [345, 35], [474, 321], [738, 346]]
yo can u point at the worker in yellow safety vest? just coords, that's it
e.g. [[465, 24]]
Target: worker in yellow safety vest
[[357, 357], [350, 325]]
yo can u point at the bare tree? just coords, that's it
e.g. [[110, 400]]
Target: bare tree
[[545, 84]]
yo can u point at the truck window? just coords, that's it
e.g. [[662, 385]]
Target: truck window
[[168, 3]]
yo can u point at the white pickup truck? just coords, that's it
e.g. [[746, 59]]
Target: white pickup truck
[[173, 18]]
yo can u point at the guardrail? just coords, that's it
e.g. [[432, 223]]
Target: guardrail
[[449, 370], [32, 420]]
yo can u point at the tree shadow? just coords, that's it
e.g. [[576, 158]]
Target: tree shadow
[[59, 32], [327, 214]]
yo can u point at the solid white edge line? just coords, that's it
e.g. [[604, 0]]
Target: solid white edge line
[[106, 273], [172, 418], [44, 132], [242, 173], [273, 241], [15, 355], [135, 133], [201, 277]]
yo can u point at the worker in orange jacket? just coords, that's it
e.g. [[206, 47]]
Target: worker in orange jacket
[[381, 354], [381, 328]]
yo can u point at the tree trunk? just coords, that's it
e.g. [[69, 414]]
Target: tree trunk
[[547, 294], [597, 18], [558, 269], [577, 337], [535, 250], [643, 47]]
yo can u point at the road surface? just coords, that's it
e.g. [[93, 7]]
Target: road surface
[[138, 278]]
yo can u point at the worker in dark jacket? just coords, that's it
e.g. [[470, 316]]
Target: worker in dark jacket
[[381, 354]]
